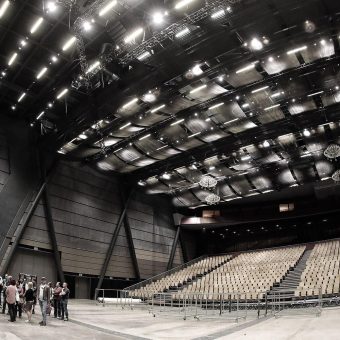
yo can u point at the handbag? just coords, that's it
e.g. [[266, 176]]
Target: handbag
[[48, 309]]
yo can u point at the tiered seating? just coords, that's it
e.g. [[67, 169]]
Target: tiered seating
[[322, 270], [184, 275], [249, 273]]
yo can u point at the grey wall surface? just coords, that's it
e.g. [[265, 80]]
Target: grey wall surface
[[85, 208]]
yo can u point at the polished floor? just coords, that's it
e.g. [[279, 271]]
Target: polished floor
[[89, 321]]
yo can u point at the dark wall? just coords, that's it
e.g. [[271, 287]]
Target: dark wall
[[18, 176]]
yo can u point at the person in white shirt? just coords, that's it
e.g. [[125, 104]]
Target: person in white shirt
[[44, 299]]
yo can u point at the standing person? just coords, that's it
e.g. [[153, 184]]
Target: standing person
[[50, 302], [1, 285], [11, 292], [20, 296], [6, 281], [44, 299], [29, 301], [34, 281], [56, 300], [65, 293]]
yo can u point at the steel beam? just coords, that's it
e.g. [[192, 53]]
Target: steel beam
[[173, 249], [21, 229], [131, 246], [183, 247], [113, 241]]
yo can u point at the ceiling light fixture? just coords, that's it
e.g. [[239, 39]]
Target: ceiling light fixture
[[246, 68], [124, 126], [231, 121], [298, 49], [158, 18], [131, 37], [144, 55], [40, 115], [41, 72], [277, 94], [266, 144], [198, 88], [131, 102], [218, 14], [245, 158], [196, 70], [54, 59], [256, 44], [51, 6], [92, 67], [62, 93], [107, 8], [157, 108], [177, 122], [166, 175], [182, 32], [23, 43], [306, 133], [183, 3], [4, 7], [245, 105], [215, 106], [87, 26], [36, 25], [194, 134], [315, 93], [146, 136], [69, 43], [260, 89], [82, 136], [13, 57], [21, 97], [271, 107], [162, 147]]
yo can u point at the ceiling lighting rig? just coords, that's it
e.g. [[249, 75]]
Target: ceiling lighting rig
[[176, 30]]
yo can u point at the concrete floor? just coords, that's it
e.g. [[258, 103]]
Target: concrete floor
[[91, 322]]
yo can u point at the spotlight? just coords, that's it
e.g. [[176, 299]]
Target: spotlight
[[158, 18], [166, 176], [54, 59], [13, 107], [196, 70], [51, 6], [87, 26], [141, 183], [256, 44], [266, 144], [23, 43], [306, 133]]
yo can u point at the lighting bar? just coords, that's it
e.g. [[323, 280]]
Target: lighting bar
[[275, 95], [306, 155], [124, 126], [36, 25], [215, 106], [4, 7], [266, 191], [133, 35], [13, 57], [69, 43], [162, 147], [182, 33], [42, 72], [245, 158], [144, 55], [194, 134], [21, 97], [259, 89], [134, 100], [177, 122], [107, 8], [294, 185], [325, 178], [93, 66], [40, 115], [315, 93], [157, 108], [62, 93], [218, 14], [231, 121], [82, 136], [298, 49], [271, 107], [118, 149], [246, 68], [146, 136], [198, 88], [183, 3]]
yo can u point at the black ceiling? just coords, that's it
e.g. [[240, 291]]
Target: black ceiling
[[245, 91]]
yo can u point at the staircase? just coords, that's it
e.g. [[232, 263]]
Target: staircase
[[285, 289]]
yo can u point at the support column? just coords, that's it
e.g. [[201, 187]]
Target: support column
[[131, 246], [173, 249], [113, 242], [183, 247]]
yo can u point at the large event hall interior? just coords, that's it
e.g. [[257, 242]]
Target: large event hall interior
[[169, 169]]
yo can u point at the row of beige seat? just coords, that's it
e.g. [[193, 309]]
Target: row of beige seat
[[322, 272], [183, 275], [251, 272]]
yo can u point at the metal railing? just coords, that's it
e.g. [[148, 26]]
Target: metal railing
[[164, 274]]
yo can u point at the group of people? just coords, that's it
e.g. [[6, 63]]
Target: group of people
[[24, 294]]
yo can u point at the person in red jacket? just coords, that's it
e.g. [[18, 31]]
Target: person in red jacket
[[11, 292]]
